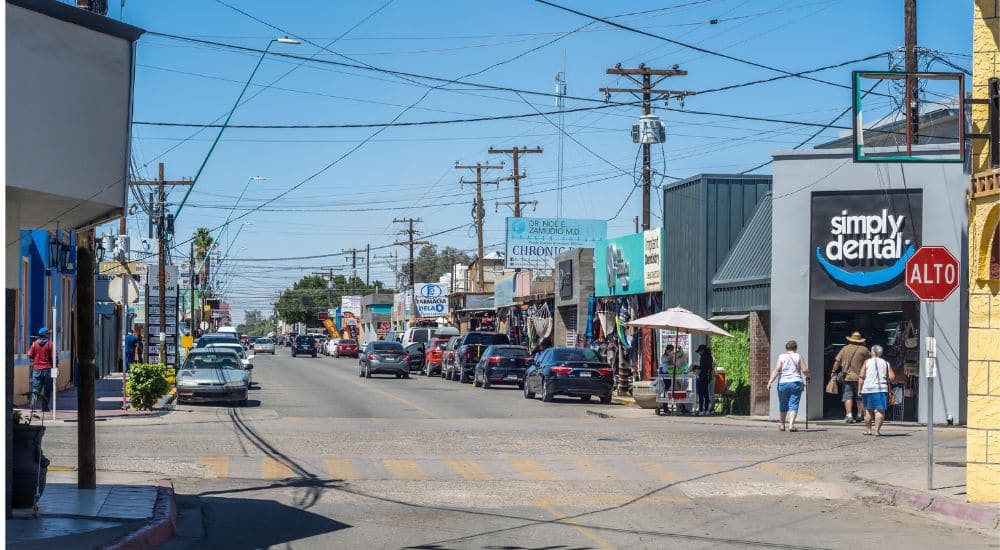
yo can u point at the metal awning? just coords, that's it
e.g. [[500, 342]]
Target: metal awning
[[735, 317]]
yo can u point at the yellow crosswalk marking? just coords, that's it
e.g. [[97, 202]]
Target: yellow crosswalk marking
[[218, 465], [468, 470], [274, 469], [585, 531], [594, 469], [659, 471], [402, 468], [531, 469], [718, 470], [783, 472], [340, 468]]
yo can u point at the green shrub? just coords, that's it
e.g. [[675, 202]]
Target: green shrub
[[147, 383], [733, 355]]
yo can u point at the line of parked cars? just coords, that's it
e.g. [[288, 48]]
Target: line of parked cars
[[487, 359]]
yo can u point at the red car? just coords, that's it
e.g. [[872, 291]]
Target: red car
[[346, 348], [435, 355]]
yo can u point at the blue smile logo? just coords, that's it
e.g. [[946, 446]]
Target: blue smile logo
[[866, 278]]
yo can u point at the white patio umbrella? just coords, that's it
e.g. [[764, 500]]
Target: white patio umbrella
[[679, 320]]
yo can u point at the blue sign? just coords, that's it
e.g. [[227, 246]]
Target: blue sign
[[534, 243]]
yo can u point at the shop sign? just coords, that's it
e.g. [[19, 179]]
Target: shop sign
[[861, 241], [351, 304], [534, 243], [565, 279], [432, 299], [503, 291], [629, 265]]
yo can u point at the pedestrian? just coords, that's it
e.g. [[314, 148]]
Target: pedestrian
[[792, 375], [131, 344], [40, 354], [875, 379], [706, 371], [847, 368]]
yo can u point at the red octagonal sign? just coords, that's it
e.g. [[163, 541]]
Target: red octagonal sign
[[932, 274]]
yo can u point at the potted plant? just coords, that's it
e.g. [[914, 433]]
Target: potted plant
[[30, 465]]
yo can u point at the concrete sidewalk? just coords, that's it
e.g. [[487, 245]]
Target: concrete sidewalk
[[124, 511], [107, 402]]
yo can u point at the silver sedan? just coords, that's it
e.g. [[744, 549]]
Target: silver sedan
[[213, 375]]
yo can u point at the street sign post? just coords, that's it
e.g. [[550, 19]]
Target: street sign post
[[932, 275]]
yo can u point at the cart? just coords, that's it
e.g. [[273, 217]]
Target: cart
[[682, 392]]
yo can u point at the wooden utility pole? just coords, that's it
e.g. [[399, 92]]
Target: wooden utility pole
[[86, 425], [162, 234], [411, 233], [515, 174], [912, 86], [645, 92], [479, 167], [354, 260], [368, 264]]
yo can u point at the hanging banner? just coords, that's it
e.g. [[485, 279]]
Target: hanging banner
[[534, 243], [632, 264]]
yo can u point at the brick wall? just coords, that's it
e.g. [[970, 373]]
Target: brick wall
[[760, 359]]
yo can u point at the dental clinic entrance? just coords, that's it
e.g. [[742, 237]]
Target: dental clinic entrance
[[892, 325]]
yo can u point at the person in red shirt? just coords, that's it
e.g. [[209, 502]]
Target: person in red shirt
[[40, 354]]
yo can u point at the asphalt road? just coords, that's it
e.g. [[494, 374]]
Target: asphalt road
[[322, 458]]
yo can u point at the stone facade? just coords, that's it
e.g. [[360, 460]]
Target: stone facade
[[983, 434]]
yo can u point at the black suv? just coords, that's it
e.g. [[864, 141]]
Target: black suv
[[304, 344], [469, 349]]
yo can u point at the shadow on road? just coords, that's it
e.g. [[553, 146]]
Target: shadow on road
[[251, 523]]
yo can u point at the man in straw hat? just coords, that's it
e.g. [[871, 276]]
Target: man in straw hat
[[846, 368]]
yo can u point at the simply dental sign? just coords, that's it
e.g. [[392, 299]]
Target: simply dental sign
[[861, 241]]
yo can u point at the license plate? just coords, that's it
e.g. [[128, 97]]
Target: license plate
[[585, 374], [511, 377], [392, 358]]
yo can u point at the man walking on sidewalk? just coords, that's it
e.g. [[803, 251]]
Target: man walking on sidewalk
[[40, 354], [131, 343], [846, 369]]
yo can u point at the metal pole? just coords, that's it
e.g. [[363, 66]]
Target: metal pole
[[931, 374], [647, 179], [161, 277], [86, 429], [55, 357], [124, 277]]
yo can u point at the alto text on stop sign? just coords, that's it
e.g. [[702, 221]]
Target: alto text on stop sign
[[932, 274]]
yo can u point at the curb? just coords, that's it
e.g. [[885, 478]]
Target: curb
[[981, 516], [160, 528]]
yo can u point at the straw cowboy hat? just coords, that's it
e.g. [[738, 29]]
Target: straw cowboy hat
[[856, 338]]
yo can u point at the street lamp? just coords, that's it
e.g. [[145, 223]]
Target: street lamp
[[282, 40]]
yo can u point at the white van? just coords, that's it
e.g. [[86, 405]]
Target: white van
[[424, 334], [227, 329]]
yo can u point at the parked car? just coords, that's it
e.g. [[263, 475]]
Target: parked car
[[381, 357], [501, 365], [342, 348], [263, 345], [424, 334], [304, 344], [416, 352], [321, 341], [469, 349], [216, 337], [434, 355], [448, 359], [569, 371], [212, 375], [246, 360]]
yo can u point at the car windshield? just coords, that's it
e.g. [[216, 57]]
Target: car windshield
[[238, 349], [304, 340], [348, 343], [509, 352], [581, 354], [214, 339], [264, 341], [210, 360], [420, 335], [486, 338], [387, 346]]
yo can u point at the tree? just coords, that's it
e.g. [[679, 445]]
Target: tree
[[255, 324], [202, 244], [313, 294], [430, 265]]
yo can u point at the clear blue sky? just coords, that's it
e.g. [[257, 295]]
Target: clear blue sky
[[408, 172]]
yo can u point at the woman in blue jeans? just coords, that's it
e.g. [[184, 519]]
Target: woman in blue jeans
[[792, 375]]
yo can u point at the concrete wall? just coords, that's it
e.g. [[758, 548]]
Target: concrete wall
[[795, 316]]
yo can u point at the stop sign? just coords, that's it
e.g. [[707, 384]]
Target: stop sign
[[932, 274]]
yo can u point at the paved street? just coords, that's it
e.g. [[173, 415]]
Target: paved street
[[322, 458]]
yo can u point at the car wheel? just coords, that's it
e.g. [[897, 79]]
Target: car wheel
[[585, 398], [293, 354], [475, 381], [606, 399], [527, 393], [547, 394], [361, 371], [406, 375], [314, 354], [463, 378], [486, 383]]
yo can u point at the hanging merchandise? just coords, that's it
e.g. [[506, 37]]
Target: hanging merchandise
[[591, 310]]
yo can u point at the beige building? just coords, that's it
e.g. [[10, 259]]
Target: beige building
[[983, 451]]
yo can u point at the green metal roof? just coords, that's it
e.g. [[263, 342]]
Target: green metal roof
[[749, 261]]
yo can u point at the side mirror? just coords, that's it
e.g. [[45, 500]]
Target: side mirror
[[249, 367]]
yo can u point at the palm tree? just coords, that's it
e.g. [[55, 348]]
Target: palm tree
[[202, 244]]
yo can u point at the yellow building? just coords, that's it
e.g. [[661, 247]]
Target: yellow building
[[983, 469]]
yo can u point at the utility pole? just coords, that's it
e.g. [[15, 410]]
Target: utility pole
[[163, 232], [645, 92], [86, 426], [515, 174], [411, 233], [354, 260], [912, 88], [368, 264], [479, 167]]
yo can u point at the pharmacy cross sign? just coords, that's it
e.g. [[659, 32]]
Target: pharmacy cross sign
[[932, 274]]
